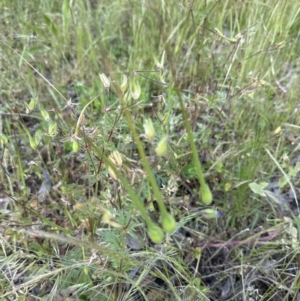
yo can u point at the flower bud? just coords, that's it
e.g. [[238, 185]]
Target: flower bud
[[162, 146], [108, 218], [81, 118], [38, 136], [127, 97], [135, 90], [45, 115], [3, 139], [124, 83], [149, 129], [52, 129], [155, 233], [31, 105], [115, 158], [112, 173], [105, 80], [168, 223], [206, 194]]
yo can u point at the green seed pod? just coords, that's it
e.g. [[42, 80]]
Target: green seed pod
[[155, 233], [197, 253], [206, 194], [32, 143], [75, 146], [168, 223]]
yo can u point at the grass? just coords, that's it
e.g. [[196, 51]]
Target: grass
[[84, 191]]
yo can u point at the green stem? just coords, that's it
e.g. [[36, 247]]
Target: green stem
[[191, 139], [144, 160], [183, 111], [134, 197]]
